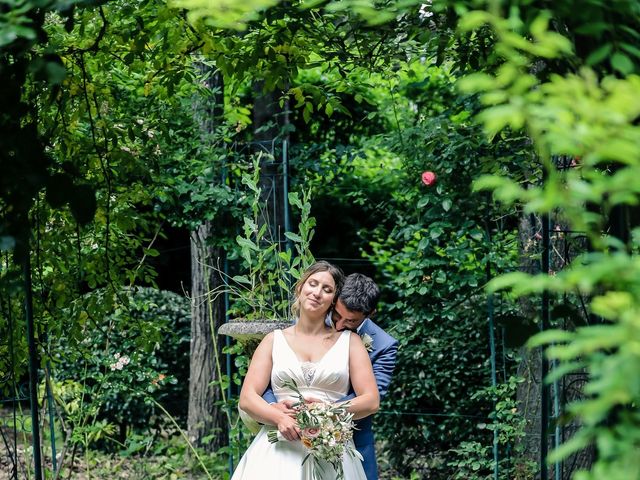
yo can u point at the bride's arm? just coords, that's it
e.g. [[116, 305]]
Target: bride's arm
[[255, 383], [367, 400]]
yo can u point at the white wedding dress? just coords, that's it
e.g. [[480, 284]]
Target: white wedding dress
[[327, 380]]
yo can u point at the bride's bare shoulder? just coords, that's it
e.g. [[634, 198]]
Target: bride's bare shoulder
[[288, 332], [267, 341]]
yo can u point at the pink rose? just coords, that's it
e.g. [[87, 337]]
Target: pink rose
[[311, 432], [428, 178]]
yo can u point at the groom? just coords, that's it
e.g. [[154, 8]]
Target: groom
[[356, 303]]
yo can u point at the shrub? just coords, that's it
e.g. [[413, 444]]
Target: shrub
[[140, 351]]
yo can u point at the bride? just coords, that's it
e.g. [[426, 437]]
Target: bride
[[320, 361]]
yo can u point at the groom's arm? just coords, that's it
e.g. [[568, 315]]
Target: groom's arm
[[383, 367], [269, 396]]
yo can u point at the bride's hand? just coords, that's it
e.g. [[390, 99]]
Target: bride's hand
[[312, 400], [288, 428], [286, 407]]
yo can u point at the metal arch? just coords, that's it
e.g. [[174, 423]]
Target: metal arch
[[554, 396], [276, 181]]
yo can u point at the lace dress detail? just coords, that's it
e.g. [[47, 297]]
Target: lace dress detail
[[308, 371]]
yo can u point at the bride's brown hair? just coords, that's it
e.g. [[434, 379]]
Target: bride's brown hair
[[319, 266]]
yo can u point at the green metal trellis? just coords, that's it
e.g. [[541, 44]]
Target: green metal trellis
[[18, 398], [553, 396]]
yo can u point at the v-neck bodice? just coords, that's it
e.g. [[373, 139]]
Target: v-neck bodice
[[323, 356], [329, 380]]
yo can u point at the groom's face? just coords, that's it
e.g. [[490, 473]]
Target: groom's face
[[345, 319]]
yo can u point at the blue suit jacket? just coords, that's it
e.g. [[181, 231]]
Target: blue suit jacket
[[383, 359]]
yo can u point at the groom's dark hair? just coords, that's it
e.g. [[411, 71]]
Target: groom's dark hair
[[359, 293]]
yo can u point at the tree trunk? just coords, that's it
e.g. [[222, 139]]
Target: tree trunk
[[206, 414], [206, 417]]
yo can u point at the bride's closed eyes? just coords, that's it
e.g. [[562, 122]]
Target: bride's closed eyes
[[326, 288]]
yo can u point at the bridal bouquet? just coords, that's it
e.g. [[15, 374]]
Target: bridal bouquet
[[326, 431]]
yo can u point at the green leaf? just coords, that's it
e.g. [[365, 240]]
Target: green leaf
[[56, 73], [578, 442], [328, 109], [435, 233], [593, 27], [474, 20], [632, 49], [293, 236], [223, 13], [508, 280], [550, 336], [241, 279], [622, 63], [246, 243], [10, 33], [499, 117], [563, 369], [599, 54], [423, 202], [294, 200], [285, 256], [477, 235], [477, 82]]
